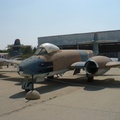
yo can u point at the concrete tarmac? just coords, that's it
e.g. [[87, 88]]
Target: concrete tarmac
[[67, 98]]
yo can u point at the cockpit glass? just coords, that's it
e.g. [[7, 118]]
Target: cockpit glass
[[40, 51]]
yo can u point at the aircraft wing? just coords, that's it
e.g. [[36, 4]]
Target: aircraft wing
[[80, 65], [77, 65], [1, 60], [113, 64], [17, 62]]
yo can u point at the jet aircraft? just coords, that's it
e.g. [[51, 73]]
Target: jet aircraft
[[49, 60], [15, 53]]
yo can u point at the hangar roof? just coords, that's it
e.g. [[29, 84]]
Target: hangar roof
[[81, 38]]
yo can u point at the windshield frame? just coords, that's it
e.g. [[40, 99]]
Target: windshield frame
[[41, 51]]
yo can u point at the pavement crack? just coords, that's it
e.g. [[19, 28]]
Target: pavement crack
[[17, 110], [29, 105]]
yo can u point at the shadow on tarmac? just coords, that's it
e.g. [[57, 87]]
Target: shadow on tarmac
[[56, 84], [18, 95], [92, 86], [2, 75], [102, 84], [49, 86], [15, 79]]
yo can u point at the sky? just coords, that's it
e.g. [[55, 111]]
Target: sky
[[29, 19]]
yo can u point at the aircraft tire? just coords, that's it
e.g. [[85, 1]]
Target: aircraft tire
[[29, 87]]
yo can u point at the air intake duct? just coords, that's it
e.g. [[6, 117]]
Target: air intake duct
[[97, 65]]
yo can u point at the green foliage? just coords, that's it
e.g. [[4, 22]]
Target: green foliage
[[9, 50], [27, 50], [24, 56], [34, 49], [3, 51]]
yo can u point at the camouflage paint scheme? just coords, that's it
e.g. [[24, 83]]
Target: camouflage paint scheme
[[49, 60], [55, 60], [64, 58]]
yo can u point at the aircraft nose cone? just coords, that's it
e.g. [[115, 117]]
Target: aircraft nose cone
[[30, 66]]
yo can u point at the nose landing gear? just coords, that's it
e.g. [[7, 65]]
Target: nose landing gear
[[29, 88]]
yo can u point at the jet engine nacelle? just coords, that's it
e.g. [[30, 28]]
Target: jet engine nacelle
[[97, 65]]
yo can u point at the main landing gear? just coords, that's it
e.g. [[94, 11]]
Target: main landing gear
[[28, 86], [90, 78]]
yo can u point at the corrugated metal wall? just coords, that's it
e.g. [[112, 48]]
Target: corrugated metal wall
[[73, 39]]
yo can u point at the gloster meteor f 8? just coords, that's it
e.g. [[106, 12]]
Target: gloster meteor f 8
[[49, 60]]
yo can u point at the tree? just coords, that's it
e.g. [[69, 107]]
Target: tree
[[34, 49], [27, 49]]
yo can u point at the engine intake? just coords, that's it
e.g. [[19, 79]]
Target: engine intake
[[91, 67], [97, 65]]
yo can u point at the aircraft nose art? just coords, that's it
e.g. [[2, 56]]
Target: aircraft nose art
[[35, 65]]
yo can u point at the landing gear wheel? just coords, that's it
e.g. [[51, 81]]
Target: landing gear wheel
[[27, 86], [32, 94], [90, 78]]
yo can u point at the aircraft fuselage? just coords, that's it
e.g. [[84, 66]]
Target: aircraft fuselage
[[53, 63]]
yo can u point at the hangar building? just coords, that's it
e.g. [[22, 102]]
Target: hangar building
[[108, 41]]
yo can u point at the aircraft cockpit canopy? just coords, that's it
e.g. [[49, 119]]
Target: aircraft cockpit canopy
[[46, 48]]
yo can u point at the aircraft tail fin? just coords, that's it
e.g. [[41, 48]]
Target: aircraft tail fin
[[16, 49]]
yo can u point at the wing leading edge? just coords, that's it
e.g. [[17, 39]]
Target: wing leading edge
[[81, 65], [113, 64], [77, 65]]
